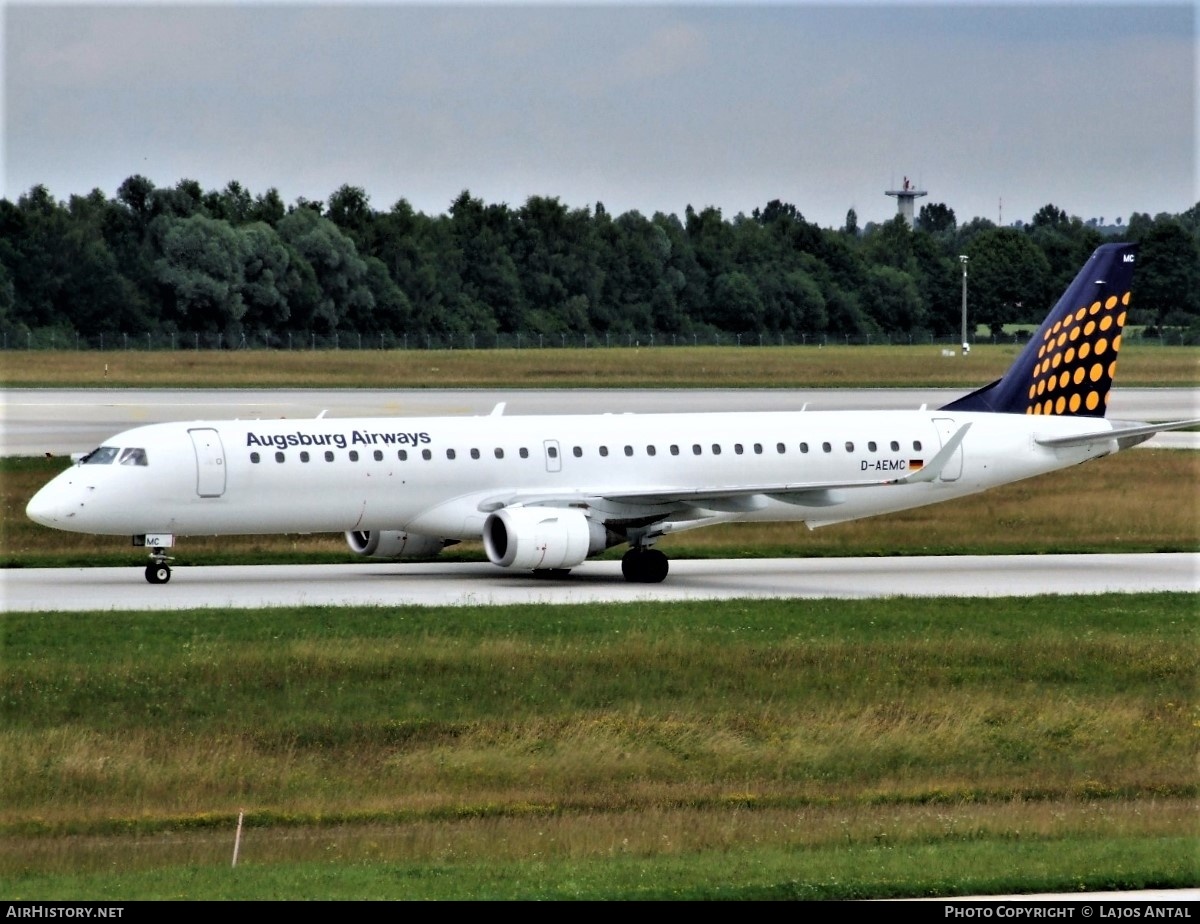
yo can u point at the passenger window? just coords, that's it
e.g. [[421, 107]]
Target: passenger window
[[780, 448], [674, 450], [378, 454], [577, 452], [552, 452], [254, 457], [353, 455], [499, 453], [871, 446], [628, 450], [650, 450], [279, 457], [101, 456], [716, 449], [849, 446], [402, 455], [895, 446], [825, 447], [474, 453], [758, 449], [603, 451], [133, 457], [303, 455], [804, 447], [695, 449], [523, 453], [328, 455], [737, 447], [917, 445], [450, 454], [426, 454]]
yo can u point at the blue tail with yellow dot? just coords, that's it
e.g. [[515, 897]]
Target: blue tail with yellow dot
[[1068, 366]]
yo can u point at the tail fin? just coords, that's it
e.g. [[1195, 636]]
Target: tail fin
[[1068, 366]]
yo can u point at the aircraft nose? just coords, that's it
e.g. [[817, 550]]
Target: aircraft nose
[[45, 507]]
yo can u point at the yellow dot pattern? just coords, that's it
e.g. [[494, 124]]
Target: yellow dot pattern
[[1078, 358]]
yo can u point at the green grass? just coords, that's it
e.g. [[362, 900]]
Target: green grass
[[1141, 365], [739, 749], [871, 869]]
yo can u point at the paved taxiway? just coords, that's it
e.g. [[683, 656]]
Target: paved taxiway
[[61, 421], [458, 584]]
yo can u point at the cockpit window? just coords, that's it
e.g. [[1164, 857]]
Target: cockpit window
[[102, 456], [133, 457]]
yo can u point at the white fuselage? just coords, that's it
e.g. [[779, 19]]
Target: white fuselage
[[442, 476]]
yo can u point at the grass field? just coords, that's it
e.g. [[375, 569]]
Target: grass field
[[740, 750], [1141, 365], [778, 749]]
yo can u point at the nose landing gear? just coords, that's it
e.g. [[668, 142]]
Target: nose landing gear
[[158, 571]]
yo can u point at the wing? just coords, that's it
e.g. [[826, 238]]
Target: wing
[[656, 502]]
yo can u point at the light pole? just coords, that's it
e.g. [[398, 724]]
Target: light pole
[[964, 259]]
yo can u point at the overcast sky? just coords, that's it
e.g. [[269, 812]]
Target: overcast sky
[[995, 109]]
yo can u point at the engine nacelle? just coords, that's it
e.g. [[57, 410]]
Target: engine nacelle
[[542, 537], [394, 543]]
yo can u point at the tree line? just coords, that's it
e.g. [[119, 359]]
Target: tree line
[[186, 263]]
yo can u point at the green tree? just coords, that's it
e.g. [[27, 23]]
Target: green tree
[[890, 244], [792, 303], [340, 273], [202, 272], [350, 209], [557, 257], [267, 208], [232, 204], [892, 301], [737, 305], [102, 298], [270, 279], [1007, 279], [490, 283], [936, 218], [1166, 286]]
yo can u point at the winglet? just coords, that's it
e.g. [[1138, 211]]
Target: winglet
[[498, 409], [931, 471]]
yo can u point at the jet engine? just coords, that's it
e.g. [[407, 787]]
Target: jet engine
[[543, 537], [394, 543]]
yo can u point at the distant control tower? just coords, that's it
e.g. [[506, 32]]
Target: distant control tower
[[904, 199]]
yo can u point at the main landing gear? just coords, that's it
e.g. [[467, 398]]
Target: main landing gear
[[644, 566], [158, 571]]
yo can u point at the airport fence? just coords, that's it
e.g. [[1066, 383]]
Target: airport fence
[[21, 338]]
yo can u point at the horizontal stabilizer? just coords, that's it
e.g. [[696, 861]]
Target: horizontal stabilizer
[[1129, 435]]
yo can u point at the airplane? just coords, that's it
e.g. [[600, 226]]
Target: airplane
[[545, 493]]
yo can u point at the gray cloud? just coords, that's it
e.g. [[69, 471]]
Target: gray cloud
[[654, 108]]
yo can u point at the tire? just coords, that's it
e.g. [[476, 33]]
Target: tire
[[645, 566], [158, 574]]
